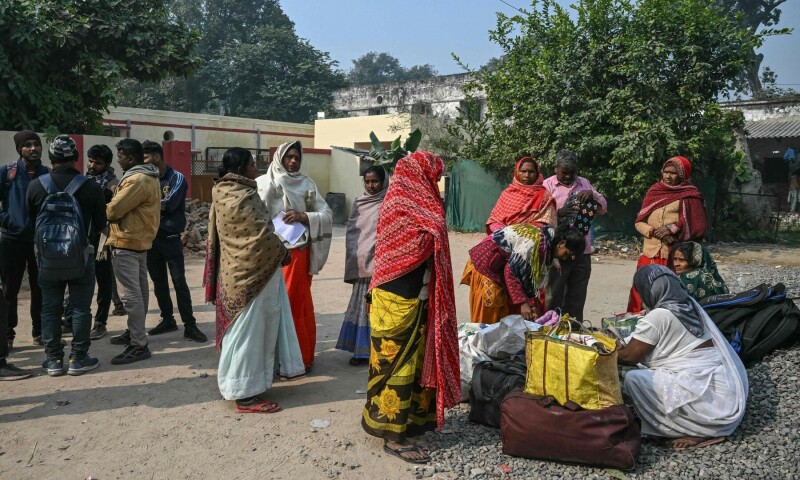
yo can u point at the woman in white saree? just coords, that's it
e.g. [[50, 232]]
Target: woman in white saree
[[691, 386]]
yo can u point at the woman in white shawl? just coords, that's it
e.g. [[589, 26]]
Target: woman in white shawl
[[692, 387], [358, 264], [296, 198]]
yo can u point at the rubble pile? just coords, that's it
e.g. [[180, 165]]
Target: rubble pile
[[196, 232]]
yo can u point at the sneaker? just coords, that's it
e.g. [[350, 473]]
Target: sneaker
[[53, 367], [79, 367], [99, 331], [131, 354], [38, 340], [119, 312], [193, 333], [163, 326], [122, 339], [9, 372]]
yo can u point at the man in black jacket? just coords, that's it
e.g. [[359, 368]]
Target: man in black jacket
[[63, 154]]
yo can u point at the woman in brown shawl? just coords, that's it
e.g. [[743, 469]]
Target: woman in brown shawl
[[255, 333], [359, 256]]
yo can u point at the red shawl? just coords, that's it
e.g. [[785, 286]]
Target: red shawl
[[692, 213], [411, 229], [520, 203]]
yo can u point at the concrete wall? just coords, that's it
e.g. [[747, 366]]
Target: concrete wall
[[755, 110]]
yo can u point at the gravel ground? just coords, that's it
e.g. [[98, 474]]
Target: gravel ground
[[766, 445]]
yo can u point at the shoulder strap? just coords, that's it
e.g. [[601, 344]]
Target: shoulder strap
[[75, 184], [476, 379], [48, 184]]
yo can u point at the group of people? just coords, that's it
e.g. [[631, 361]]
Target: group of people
[[131, 227]]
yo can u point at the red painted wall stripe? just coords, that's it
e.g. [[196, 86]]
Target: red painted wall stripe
[[200, 127]]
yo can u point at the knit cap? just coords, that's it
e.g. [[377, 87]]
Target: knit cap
[[63, 149], [23, 136]]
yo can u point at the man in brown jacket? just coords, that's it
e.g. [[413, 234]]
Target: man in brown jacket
[[133, 215]]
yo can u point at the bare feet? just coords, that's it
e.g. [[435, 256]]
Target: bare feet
[[406, 451], [687, 442]]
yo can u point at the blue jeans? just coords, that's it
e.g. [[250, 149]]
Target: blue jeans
[[81, 292]]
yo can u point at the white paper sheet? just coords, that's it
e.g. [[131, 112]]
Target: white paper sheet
[[291, 232]]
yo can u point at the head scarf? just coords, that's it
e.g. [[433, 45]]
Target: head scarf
[[520, 203], [360, 236], [660, 288], [412, 229], [703, 280], [529, 253], [692, 211], [23, 136]]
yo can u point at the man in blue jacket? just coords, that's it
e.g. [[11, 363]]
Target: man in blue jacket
[[16, 234], [167, 251]]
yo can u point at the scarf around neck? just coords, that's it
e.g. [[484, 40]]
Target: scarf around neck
[[360, 236], [520, 203]]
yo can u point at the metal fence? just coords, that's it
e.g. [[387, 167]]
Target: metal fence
[[210, 161]]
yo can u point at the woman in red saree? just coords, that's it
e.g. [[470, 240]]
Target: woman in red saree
[[673, 211], [525, 201]]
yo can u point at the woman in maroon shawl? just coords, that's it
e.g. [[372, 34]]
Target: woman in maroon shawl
[[672, 211]]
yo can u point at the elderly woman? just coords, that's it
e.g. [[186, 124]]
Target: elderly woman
[[295, 199], [243, 277], [525, 201], [413, 365], [359, 255], [518, 257], [672, 211], [697, 270], [691, 386]]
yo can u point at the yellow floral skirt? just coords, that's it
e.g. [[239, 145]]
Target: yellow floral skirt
[[397, 406]]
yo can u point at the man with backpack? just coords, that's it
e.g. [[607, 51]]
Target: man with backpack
[[66, 209], [16, 233], [134, 214], [167, 252]]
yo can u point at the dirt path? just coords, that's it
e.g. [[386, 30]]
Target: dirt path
[[164, 418]]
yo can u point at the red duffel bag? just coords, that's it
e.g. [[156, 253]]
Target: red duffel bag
[[540, 428]]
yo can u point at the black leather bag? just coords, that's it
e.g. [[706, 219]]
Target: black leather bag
[[491, 382]]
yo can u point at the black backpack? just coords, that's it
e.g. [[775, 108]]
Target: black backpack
[[491, 382], [756, 321]]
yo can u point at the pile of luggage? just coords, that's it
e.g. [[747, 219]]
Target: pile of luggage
[[562, 403]]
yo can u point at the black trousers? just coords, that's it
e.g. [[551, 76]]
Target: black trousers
[[567, 288], [3, 327], [167, 255], [15, 258]]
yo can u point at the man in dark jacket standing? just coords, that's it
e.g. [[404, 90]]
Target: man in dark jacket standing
[[167, 251], [16, 233], [63, 154]]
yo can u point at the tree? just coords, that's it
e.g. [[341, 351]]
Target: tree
[[374, 67], [625, 84], [60, 60], [752, 15]]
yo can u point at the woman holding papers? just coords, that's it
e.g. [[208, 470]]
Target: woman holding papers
[[304, 222]]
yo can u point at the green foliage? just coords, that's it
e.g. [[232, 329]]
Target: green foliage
[[374, 67], [389, 158], [60, 60], [254, 65], [625, 84]]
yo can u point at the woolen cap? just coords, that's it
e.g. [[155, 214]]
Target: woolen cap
[[23, 136], [63, 149]]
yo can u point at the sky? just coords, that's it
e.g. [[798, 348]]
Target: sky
[[427, 31]]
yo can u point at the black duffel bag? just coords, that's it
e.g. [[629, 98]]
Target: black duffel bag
[[491, 382]]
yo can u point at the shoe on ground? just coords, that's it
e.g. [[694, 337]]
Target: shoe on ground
[[122, 339], [193, 333], [98, 331], [79, 367], [131, 354], [9, 372], [53, 367], [38, 340], [163, 326], [119, 312]]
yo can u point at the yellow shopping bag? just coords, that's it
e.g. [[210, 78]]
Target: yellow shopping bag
[[571, 371]]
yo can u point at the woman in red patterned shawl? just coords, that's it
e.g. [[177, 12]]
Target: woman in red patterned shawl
[[525, 201], [413, 365], [672, 211]]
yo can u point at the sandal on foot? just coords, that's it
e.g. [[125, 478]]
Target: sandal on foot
[[357, 361], [265, 407], [398, 452], [704, 443]]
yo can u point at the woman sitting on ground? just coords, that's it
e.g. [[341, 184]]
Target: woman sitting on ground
[[692, 387], [518, 257], [359, 256], [243, 277], [525, 201], [697, 270]]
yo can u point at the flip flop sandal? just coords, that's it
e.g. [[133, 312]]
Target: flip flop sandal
[[398, 452], [265, 407], [705, 443]]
